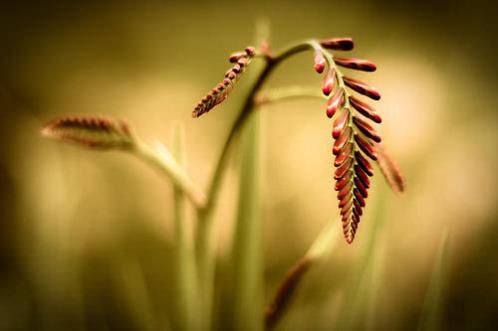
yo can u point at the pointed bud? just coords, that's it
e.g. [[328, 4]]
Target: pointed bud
[[250, 51], [339, 44], [328, 82], [366, 129], [366, 147], [365, 109], [334, 103], [357, 64], [340, 123], [362, 176], [236, 56], [362, 88], [364, 164], [341, 141], [319, 62], [390, 170]]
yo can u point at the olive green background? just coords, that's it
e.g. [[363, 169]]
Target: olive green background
[[85, 237]]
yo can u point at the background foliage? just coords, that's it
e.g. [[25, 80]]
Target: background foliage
[[85, 238]]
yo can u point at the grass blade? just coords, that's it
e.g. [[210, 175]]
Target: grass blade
[[186, 280], [247, 241], [287, 288], [431, 311]]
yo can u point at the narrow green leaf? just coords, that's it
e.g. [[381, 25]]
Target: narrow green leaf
[[282, 298], [430, 317], [246, 251], [186, 280]]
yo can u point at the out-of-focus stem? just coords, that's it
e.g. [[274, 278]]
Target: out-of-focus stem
[[167, 164], [285, 292], [205, 251]]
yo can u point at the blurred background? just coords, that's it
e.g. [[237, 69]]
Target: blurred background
[[86, 237]]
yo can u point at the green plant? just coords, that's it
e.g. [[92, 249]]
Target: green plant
[[355, 141]]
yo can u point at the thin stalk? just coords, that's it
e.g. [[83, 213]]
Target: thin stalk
[[288, 93], [186, 280], [246, 251], [430, 317], [205, 251], [167, 164]]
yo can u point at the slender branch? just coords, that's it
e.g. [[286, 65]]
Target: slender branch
[[166, 163], [204, 226], [288, 93]]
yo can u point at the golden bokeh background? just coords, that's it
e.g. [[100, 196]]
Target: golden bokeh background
[[86, 237]]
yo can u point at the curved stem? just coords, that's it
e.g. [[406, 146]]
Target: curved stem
[[203, 234], [166, 163], [286, 93]]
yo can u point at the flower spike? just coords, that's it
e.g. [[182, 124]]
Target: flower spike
[[219, 93]]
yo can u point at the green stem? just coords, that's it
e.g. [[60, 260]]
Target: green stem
[[205, 251], [167, 164], [288, 93], [186, 280]]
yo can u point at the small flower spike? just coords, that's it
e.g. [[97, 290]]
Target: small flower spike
[[92, 132], [356, 139], [219, 93]]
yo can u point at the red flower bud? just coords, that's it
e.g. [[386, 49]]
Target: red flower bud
[[334, 103], [362, 88], [341, 141], [328, 82], [365, 109], [319, 62], [366, 129], [340, 123], [353, 63], [339, 44], [366, 147]]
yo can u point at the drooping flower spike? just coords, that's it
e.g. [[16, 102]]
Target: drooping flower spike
[[355, 138], [219, 93]]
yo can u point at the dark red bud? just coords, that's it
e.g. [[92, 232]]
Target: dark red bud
[[236, 56], [365, 109], [358, 208], [340, 44], [343, 181], [346, 200], [343, 169], [366, 147], [341, 141], [359, 185], [353, 63], [345, 190], [362, 88], [359, 197], [366, 129], [250, 51], [362, 176], [364, 164], [237, 69]]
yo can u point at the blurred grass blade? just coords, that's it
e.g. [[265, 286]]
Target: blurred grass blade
[[186, 279], [246, 251], [286, 290], [430, 317]]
